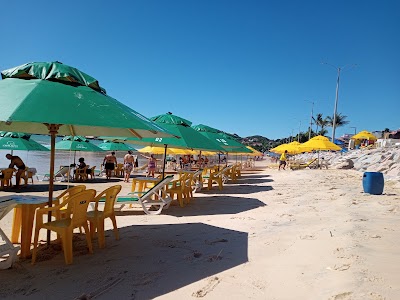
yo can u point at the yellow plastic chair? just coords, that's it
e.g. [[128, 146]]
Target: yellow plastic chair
[[179, 188], [26, 175], [119, 170], [81, 174], [64, 197], [6, 180], [96, 218], [91, 172], [76, 217]]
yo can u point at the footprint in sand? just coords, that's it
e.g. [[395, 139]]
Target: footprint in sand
[[342, 296], [343, 267], [375, 296], [308, 237], [394, 209], [212, 283]]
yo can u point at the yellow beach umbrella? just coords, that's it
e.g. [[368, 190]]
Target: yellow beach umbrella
[[364, 135], [319, 143], [292, 148], [160, 150], [254, 153]]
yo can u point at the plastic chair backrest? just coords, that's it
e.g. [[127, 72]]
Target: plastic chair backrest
[[8, 173], [111, 195], [79, 203]]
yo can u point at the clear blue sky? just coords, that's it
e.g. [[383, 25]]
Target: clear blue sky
[[245, 67]]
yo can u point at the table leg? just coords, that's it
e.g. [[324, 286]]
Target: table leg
[[16, 227], [28, 214]]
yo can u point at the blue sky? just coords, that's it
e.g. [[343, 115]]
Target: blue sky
[[245, 67]]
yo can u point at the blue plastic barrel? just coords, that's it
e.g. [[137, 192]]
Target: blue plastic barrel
[[373, 183]]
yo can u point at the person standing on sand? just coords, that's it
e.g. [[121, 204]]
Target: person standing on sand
[[17, 162], [109, 163], [151, 166], [128, 165], [282, 160]]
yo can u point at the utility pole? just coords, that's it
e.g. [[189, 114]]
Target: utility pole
[[337, 96], [298, 137], [311, 119]]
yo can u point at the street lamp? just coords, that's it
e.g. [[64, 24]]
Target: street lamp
[[298, 136], [355, 130], [312, 112], [337, 94]]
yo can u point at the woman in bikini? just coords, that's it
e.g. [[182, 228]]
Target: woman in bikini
[[151, 166]]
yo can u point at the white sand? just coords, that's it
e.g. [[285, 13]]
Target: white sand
[[308, 234]]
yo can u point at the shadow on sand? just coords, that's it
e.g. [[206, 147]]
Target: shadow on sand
[[204, 205], [241, 189], [147, 262], [35, 188]]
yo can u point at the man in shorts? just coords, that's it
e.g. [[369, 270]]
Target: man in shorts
[[282, 160], [128, 165], [17, 162], [109, 163]]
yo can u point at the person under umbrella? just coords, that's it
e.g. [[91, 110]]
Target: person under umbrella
[[129, 161], [109, 163], [17, 162]]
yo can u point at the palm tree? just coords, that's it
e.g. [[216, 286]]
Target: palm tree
[[321, 122], [340, 120]]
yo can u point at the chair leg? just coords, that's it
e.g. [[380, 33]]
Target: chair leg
[[92, 229], [114, 221], [35, 242], [66, 238], [100, 234], [180, 200], [88, 239]]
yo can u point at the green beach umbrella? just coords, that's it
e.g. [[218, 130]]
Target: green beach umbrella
[[37, 99], [19, 141], [189, 138], [227, 142], [115, 146], [76, 143]]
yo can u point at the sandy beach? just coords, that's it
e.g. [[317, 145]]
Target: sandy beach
[[307, 234]]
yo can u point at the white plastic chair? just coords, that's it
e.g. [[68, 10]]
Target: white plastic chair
[[162, 199], [64, 173]]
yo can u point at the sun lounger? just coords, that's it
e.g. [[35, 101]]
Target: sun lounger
[[8, 253], [161, 199], [312, 164], [63, 174]]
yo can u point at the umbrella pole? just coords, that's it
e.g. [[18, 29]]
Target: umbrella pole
[[164, 160], [53, 130]]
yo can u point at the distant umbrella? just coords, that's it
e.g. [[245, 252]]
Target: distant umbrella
[[115, 146], [76, 143], [19, 141]]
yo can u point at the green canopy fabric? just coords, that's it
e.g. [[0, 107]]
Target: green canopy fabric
[[29, 104], [77, 143], [189, 138], [55, 71], [115, 146], [224, 140], [19, 141]]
